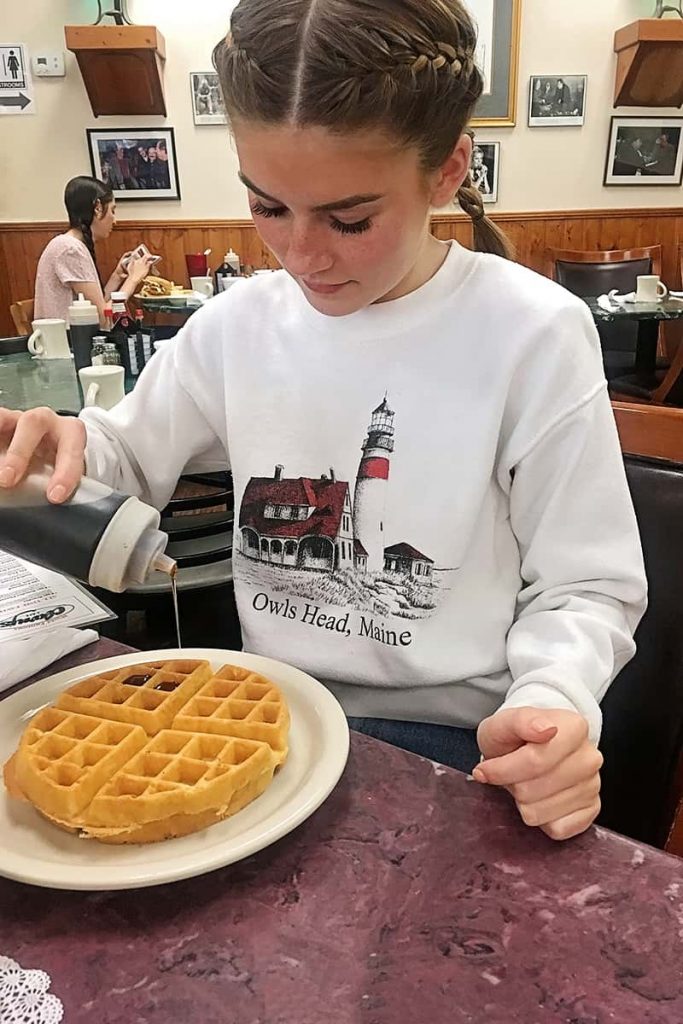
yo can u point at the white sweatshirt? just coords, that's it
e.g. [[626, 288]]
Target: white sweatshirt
[[431, 510]]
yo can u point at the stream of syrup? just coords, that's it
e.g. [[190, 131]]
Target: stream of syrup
[[174, 594]]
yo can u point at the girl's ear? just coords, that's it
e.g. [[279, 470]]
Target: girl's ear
[[450, 176], [98, 211]]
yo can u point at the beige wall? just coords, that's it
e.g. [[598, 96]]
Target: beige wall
[[541, 168]]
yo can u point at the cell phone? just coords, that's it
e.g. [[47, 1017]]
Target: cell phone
[[142, 250]]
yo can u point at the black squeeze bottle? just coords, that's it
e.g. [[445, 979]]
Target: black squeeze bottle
[[99, 536], [84, 325]]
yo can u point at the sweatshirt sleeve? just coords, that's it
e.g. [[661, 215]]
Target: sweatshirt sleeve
[[583, 579], [173, 422]]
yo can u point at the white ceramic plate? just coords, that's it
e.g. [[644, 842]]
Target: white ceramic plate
[[33, 851]]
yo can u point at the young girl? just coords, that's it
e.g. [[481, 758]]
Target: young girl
[[68, 264], [431, 512]]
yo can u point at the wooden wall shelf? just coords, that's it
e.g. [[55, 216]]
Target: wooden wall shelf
[[649, 63], [121, 67]]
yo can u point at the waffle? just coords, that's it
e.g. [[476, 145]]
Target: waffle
[[151, 751]]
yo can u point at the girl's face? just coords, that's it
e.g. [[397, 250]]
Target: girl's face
[[104, 221], [346, 215]]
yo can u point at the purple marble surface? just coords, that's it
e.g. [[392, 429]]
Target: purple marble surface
[[412, 895]]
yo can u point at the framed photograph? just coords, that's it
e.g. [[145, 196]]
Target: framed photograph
[[484, 169], [207, 98], [137, 163], [556, 100], [645, 151], [498, 24]]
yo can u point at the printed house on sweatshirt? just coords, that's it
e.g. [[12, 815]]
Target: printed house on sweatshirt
[[300, 522], [406, 559]]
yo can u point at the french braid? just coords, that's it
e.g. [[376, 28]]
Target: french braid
[[406, 66]]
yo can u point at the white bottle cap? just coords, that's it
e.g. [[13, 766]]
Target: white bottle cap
[[164, 563], [118, 297], [233, 260], [147, 554], [128, 548], [82, 311]]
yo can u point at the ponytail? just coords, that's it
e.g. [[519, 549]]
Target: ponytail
[[487, 236]]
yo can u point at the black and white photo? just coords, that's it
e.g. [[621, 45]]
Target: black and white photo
[[484, 169], [557, 100], [136, 163], [645, 151], [207, 99]]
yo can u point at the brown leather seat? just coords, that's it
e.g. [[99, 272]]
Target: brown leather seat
[[642, 736]]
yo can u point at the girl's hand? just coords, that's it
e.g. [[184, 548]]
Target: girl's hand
[[543, 757], [139, 268], [121, 269], [59, 440]]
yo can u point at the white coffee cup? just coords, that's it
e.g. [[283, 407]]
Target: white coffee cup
[[49, 340], [203, 285], [102, 385], [649, 288]]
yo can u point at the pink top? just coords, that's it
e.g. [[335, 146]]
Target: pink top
[[65, 260]]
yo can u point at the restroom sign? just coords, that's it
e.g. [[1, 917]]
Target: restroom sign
[[16, 87], [12, 67]]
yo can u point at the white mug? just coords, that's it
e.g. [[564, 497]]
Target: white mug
[[650, 288], [203, 285], [102, 385], [49, 340]]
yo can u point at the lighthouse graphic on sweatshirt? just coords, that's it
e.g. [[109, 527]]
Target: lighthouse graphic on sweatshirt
[[314, 525]]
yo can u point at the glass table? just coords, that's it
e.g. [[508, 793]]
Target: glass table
[[648, 316], [26, 382]]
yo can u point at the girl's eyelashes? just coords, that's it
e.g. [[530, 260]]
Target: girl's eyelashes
[[267, 211], [354, 228]]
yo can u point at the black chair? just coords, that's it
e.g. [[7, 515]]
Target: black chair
[[13, 346], [200, 528], [642, 736], [596, 273]]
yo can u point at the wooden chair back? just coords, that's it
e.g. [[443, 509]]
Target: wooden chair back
[[22, 314], [655, 432]]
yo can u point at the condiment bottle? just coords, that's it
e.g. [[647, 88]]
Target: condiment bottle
[[84, 325], [99, 536]]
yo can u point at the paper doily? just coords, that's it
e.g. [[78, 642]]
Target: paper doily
[[24, 996]]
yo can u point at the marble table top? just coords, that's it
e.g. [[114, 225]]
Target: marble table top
[[664, 309], [184, 309], [413, 895]]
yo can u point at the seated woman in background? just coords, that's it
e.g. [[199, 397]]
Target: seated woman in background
[[68, 265]]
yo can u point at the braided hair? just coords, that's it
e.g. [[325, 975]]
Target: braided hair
[[80, 198], [403, 66]]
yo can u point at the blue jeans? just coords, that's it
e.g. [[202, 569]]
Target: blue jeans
[[446, 744]]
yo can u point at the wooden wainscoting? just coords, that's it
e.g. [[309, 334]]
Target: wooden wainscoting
[[22, 244]]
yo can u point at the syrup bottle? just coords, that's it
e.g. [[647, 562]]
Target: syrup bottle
[[99, 536]]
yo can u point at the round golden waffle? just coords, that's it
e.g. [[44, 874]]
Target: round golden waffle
[[152, 751]]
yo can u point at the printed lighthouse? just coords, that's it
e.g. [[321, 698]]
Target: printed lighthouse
[[371, 486]]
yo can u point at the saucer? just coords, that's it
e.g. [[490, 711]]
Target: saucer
[[629, 299]]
